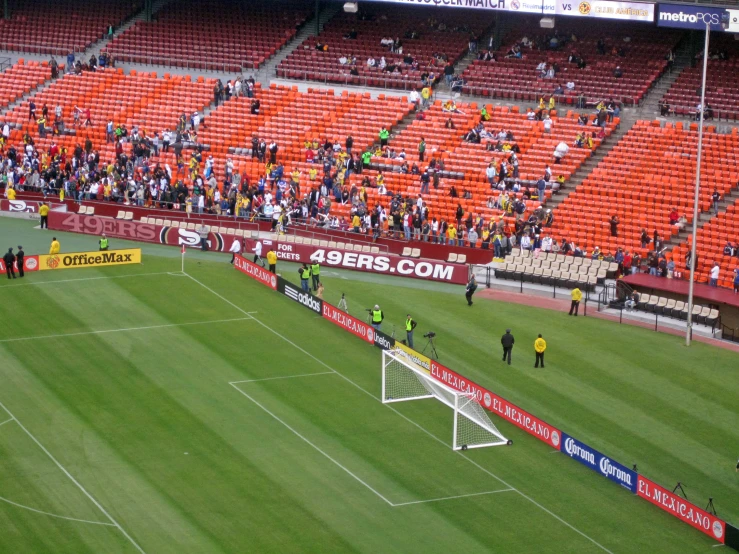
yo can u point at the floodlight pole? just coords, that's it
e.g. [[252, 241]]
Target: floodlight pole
[[696, 198]]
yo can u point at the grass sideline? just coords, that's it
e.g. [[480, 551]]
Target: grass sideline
[[119, 410]]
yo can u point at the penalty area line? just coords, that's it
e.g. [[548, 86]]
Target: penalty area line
[[126, 329], [6, 421], [276, 378], [39, 283], [54, 515], [77, 483], [451, 497], [316, 448]]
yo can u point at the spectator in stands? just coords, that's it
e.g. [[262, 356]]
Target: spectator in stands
[[632, 300], [664, 108], [729, 249], [644, 238], [715, 199], [614, 225], [714, 275], [736, 289], [674, 216]]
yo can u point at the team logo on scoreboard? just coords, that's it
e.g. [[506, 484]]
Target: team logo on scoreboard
[[584, 8]]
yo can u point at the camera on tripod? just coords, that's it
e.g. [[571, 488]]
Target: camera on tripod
[[429, 335]]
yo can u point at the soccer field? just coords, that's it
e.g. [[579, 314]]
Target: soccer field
[[147, 410]]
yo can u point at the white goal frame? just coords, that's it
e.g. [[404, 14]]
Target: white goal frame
[[472, 426]]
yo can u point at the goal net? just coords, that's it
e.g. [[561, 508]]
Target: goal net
[[403, 380]]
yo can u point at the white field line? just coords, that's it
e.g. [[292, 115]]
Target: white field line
[[6, 421], [451, 497], [77, 483], [275, 378], [54, 515], [318, 449], [38, 283], [459, 452], [125, 329]]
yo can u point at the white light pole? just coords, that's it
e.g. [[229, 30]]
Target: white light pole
[[696, 198]]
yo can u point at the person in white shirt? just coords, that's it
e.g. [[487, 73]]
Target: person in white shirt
[[560, 152], [525, 242], [343, 60], [382, 63], [258, 253], [415, 98], [542, 67], [6, 131], [235, 249], [201, 203], [547, 123], [371, 62], [713, 278]]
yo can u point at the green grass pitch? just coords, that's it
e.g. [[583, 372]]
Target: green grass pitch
[[120, 430]]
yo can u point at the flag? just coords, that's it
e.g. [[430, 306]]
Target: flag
[[183, 248]]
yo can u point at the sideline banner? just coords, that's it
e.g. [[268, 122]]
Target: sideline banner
[[30, 263], [682, 509], [356, 327], [424, 362], [387, 264], [74, 260], [257, 272], [590, 457]]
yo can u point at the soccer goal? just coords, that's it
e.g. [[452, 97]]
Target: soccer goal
[[403, 380]]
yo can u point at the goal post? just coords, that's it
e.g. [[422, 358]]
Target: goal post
[[402, 380]]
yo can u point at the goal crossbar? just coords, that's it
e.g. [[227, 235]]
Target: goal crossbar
[[403, 380]]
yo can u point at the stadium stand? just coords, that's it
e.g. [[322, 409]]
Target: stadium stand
[[638, 52], [59, 27], [649, 172], [722, 82], [713, 238], [212, 35], [22, 78], [291, 118], [421, 37]]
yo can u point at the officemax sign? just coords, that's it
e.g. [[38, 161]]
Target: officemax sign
[[89, 259]]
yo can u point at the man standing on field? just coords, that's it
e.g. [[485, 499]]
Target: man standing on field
[[507, 342], [540, 345], [9, 259], [576, 295], [43, 211], [55, 247], [272, 260]]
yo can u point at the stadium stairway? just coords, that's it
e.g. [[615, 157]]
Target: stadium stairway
[[269, 70], [582, 172], [650, 106]]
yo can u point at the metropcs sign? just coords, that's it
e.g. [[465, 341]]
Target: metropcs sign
[[681, 16]]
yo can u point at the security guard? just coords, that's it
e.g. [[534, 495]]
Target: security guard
[[103, 242], [304, 277], [315, 271], [19, 257], [55, 247], [377, 317], [540, 345], [471, 288], [43, 211], [410, 324], [576, 295], [9, 259], [272, 260]]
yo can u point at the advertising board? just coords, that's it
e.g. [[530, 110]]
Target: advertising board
[[76, 260], [681, 16], [599, 463], [257, 272], [30, 263], [606, 9], [681, 509]]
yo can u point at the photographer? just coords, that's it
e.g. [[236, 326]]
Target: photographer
[[376, 316], [410, 324]]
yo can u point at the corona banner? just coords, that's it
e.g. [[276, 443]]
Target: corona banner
[[76, 260]]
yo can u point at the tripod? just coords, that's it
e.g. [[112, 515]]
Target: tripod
[[342, 303], [682, 490], [435, 354]]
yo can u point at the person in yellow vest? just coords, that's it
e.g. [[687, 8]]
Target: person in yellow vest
[[541, 103], [576, 296], [552, 102], [540, 345], [43, 211], [426, 96], [484, 116], [304, 273], [55, 247], [10, 193], [315, 273], [103, 243], [410, 324], [356, 223], [376, 317], [272, 260]]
